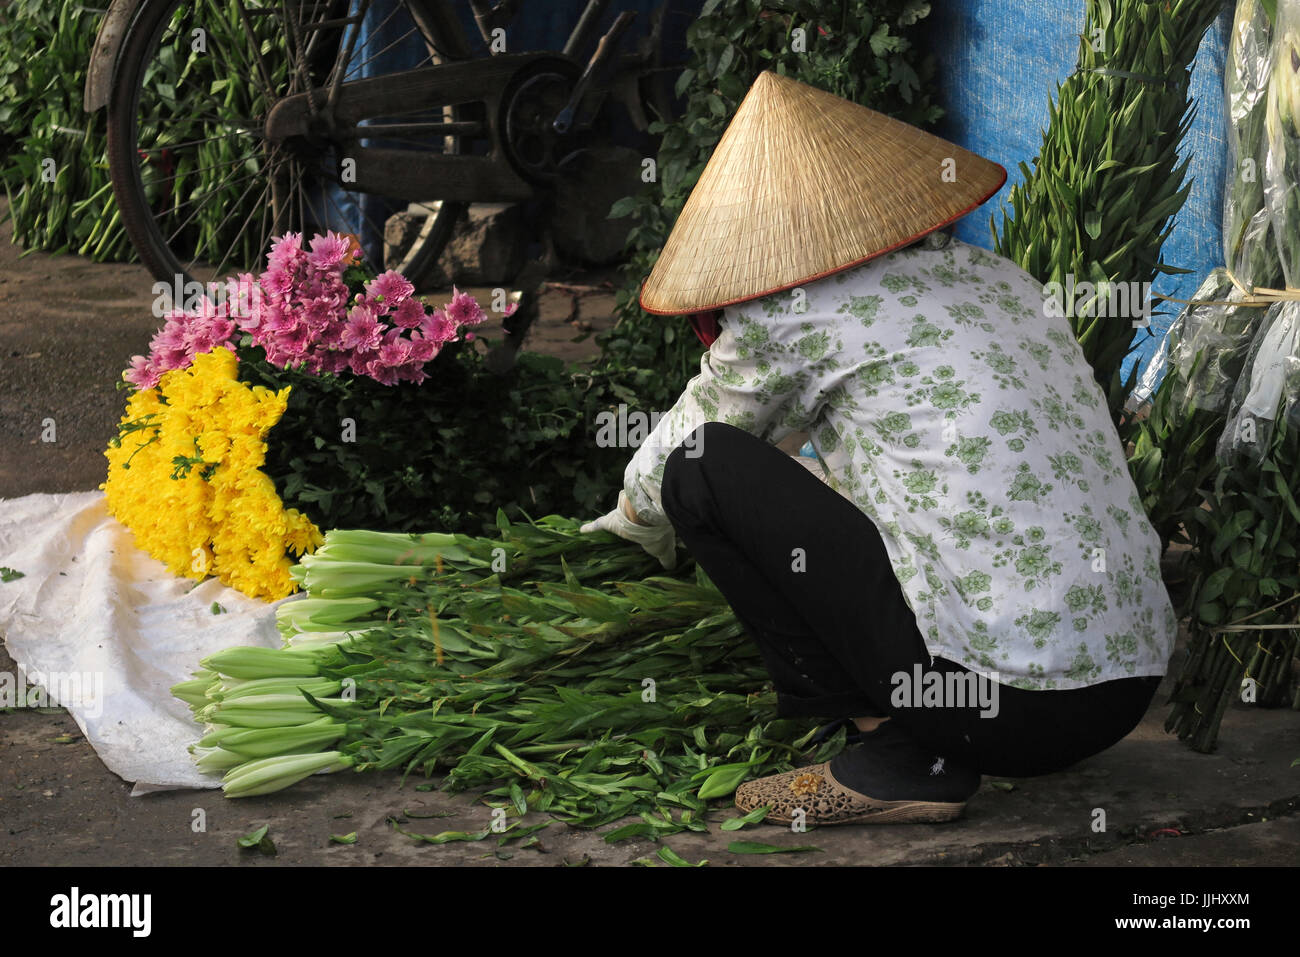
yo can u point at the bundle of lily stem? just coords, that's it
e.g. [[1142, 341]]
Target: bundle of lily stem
[[551, 668]]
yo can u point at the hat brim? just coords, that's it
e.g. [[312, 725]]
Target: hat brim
[[829, 272]]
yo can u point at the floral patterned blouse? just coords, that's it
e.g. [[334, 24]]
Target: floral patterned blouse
[[966, 424]]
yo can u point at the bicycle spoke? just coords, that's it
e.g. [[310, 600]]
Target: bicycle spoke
[[264, 233], [182, 143], [376, 32], [381, 52], [196, 200], [201, 169], [297, 56], [234, 207], [343, 216]]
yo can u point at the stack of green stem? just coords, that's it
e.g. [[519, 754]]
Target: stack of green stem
[[552, 668], [1099, 202]]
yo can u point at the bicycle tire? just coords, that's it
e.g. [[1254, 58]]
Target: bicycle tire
[[139, 46]]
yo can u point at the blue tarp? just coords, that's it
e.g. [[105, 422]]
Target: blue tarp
[[999, 63]]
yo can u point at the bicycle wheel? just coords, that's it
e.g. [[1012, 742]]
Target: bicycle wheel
[[200, 188]]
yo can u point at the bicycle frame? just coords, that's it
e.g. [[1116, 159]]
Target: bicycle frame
[[488, 178]]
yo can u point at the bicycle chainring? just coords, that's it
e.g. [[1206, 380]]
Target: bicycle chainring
[[535, 98]]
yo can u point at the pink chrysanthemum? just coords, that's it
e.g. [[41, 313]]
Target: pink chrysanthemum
[[395, 351], [277, 282], [329, 250], [286, 251], [422, 350], [295, 342], [381, 373], [319, 312], [362, 332], [143, 374], [437, 327], [408, 314], [277, 317], [393, 286], [464, 309]]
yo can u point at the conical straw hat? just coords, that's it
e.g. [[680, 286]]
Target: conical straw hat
[[803, 184]]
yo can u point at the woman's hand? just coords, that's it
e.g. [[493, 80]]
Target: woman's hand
[[659, 540]]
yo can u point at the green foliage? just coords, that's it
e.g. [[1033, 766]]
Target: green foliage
[[863, 50], [1108, 180], [1244, 593], [445, 454], [1172, 460], [44, 55], [44, 48]]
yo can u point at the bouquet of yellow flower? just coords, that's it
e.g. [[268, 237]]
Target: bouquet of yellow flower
[[185, 476]]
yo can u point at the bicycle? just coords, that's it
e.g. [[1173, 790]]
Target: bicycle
[[218, 109]]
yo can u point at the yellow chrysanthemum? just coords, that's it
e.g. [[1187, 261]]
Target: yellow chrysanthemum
[[186, 478]]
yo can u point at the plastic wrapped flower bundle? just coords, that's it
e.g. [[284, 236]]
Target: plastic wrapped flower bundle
[[561, 672], [1202, 355], [202, 464]]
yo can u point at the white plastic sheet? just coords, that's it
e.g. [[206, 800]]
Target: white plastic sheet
[[109, 630]]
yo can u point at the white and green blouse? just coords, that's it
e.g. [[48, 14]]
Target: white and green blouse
[[965, 422]]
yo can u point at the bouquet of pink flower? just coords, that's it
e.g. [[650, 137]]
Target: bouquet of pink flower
[[316, 310]]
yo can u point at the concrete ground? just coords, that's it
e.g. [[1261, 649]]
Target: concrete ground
[[67, 328]]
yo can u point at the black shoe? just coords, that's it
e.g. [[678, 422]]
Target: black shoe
[[890, 766]]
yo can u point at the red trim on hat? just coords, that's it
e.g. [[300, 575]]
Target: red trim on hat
[[830, 272]]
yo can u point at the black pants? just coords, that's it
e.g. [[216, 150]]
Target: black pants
[[807, 575]]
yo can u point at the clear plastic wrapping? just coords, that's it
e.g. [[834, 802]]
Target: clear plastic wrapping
[[1205, 349], [1270, 384], [1249, 249]]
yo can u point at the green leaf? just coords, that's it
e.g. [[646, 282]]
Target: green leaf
[[753, 847], [253, 838], [723, 780], [517, 797], [668, 855], [638, 829], [444, 837], [1213, 586], [344, 838], [725, 61], [10, 574], [755, 816], [258, 839]]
